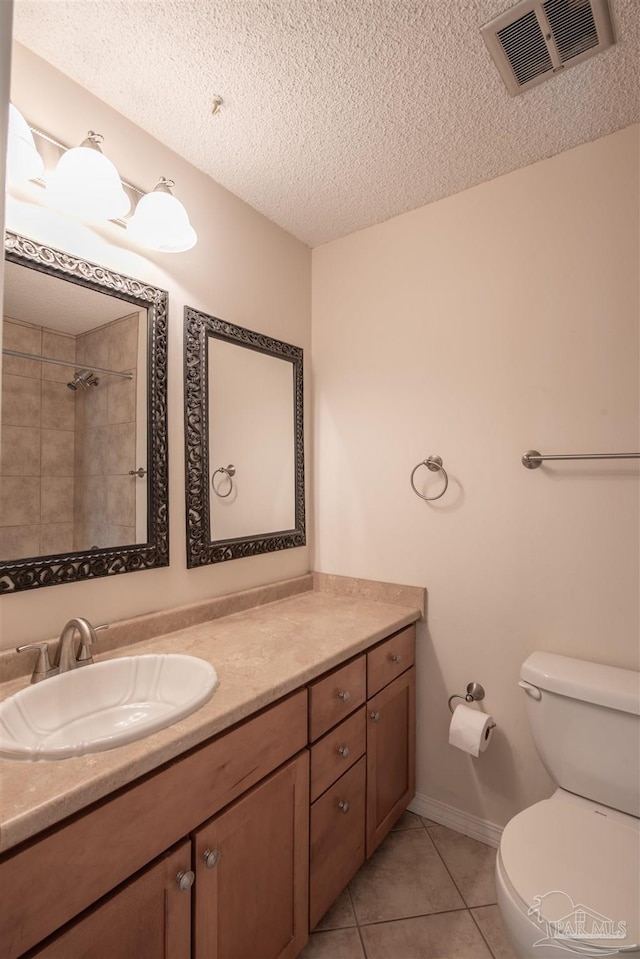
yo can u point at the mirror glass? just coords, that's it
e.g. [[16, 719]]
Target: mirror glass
[[79, 441], [244, 441], [251, 428]]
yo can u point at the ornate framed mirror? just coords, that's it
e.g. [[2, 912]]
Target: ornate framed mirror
[[244, 441], [83, 468]]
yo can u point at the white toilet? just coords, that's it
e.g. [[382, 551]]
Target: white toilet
[[568, 868]]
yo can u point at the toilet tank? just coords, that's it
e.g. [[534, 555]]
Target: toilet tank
[[585, 720]]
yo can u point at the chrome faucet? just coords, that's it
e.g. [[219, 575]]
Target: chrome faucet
[[65, 656]]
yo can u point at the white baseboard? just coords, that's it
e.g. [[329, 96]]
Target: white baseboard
[[456, 819]]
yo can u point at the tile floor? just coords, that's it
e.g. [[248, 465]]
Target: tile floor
[[426, 893]]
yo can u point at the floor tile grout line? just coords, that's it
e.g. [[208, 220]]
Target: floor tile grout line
[[480, 930], [419, 915], [355, 916], [478, 905], [458, 890]]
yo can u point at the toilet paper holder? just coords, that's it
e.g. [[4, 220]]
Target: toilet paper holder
[[474, 694]]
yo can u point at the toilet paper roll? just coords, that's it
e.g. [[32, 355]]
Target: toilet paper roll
[[470, 730]]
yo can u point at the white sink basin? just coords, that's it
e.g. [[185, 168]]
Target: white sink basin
[[104, 705]]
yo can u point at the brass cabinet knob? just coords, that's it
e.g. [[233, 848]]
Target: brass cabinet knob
[[396, 658], [344, 805], [375, 717], [211, 858], [344, 751], [185, 880], [344, 695]]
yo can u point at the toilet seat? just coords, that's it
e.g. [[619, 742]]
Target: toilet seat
[[562, 858]]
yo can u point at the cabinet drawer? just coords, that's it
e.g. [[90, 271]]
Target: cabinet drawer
[[389, 659], [336, 696], [337, 839], [336, 752], [141, 822]]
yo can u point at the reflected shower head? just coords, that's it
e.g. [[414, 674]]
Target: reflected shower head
[[85, 379]]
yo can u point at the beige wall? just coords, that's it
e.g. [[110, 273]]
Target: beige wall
[[494, 321], [244, 269], [6, 18]]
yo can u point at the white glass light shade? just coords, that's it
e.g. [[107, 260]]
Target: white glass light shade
[[160, 222], [23, 160], [87, 183]]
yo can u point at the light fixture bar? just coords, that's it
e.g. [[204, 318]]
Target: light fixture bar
[[76, 366]]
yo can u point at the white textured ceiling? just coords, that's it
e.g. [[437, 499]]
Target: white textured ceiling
[[337, 113]]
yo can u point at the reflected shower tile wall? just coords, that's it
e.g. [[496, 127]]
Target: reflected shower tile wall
[[106, 439], [93, 348], [58, 346], [123, 343], [66, 455], [56, 538], [25, 338], [20, 458]]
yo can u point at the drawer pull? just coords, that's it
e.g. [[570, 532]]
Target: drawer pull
[[211, 858], [344, 751], [185, 880], [344, 805], [344, 695], [396, 658], [375, 717]]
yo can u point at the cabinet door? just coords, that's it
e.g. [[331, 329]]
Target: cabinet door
[[391, 721], [252, 872], [147, 918]]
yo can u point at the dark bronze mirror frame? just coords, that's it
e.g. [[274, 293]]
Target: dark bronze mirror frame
[[201, 549], [88, 564]]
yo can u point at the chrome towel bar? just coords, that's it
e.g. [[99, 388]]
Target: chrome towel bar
[[532, 459], [433, 463]]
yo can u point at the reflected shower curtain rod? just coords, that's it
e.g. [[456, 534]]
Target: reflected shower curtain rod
[[532, 459], [76, 366]]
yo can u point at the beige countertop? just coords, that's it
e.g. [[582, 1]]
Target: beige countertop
[[260, 654]]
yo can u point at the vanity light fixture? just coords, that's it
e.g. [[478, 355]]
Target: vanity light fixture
[[161, 222], [86, 182], [23, 160]]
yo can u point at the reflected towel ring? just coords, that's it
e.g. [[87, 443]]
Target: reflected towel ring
[[229, 471], [433, 463]]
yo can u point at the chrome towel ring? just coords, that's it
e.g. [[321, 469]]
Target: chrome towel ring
[[433, 463], [228, 471]]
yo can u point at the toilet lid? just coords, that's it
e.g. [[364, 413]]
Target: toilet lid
[[579, 868]]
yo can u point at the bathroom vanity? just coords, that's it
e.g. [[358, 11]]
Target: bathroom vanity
[[248, 836]]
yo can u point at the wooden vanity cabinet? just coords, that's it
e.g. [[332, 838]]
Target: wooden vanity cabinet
[[53, 879], [237, 848]]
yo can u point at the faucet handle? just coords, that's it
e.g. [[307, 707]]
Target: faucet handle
[[43, 668]]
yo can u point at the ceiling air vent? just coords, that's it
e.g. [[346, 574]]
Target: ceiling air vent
[[535, 39]]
